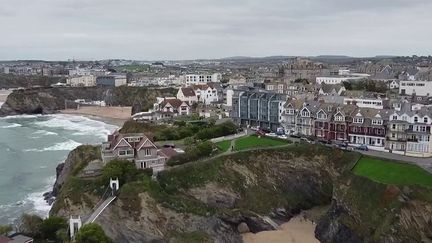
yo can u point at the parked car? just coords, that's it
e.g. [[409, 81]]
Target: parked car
[[283, 137], [362, 147], [272, 134]]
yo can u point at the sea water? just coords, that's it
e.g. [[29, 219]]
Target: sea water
[[31, 146]]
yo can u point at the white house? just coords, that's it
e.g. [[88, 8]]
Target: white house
[[419, 88], [375, 103], [206, 93], [187, 94]]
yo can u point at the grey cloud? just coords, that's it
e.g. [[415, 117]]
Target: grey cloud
[[181, 29]]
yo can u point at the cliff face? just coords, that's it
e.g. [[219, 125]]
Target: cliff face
[[208, 201], [366, 211], [50, 100], [211, 199]]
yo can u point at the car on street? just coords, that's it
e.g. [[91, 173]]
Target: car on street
[[362, 147]]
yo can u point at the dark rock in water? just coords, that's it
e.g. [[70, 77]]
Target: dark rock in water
[[50, 201], [47, 194]]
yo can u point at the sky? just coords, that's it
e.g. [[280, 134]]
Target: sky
[[193, 29]]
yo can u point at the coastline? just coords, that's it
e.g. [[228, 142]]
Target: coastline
[[112, 115]]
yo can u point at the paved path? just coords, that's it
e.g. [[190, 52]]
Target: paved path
[[99, 210]]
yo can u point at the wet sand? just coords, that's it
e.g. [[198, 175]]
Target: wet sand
[[109, 114], [297, 230]]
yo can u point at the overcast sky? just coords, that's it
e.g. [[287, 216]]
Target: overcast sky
[[190, 29]]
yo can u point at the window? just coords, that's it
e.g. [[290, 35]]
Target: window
[[377, 122], [305, 113], [393, 126], [322, 115], [393, 135], [358, 120], [147, 152], [290, 111], [339, 118], [395, 118], [425, 120], [122, 153], [415, 119]]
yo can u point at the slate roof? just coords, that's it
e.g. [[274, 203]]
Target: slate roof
[[176, 103], [188, 91]]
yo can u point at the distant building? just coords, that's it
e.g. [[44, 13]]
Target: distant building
[[418, 88], [112, 80], [81, 81], [187, 94], [258, 108], [409, 130], [206, 93], [6, 70], [336, 79], [191, 79]]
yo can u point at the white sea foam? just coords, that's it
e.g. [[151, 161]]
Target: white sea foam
[[63, 146], [20, 117], [11, 125], [82, 125], [37, 200], [44, 133]]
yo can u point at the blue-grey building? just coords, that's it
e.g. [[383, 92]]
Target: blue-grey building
[[258, 108]]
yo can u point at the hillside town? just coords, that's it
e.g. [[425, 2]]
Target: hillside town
[[378, 104]]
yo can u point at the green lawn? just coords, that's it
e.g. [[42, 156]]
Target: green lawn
[[224, 145], [256, 142], [392, 172]]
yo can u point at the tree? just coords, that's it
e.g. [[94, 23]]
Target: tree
[[5, 229], [92, 233], [30, 225], [122, 169], [51, 226]]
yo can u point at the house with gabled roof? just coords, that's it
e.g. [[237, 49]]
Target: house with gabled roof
[[368, 126], [331, 89], [134, 147], [187, 94], [176, 107]]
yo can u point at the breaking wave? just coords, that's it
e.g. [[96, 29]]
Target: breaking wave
[[63, 146]]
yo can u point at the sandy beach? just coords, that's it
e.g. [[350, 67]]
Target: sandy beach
[[110, 114], [297, 230]]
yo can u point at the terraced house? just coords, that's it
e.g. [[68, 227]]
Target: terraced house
[[134, 147], [330, 123], [368, 126], [409, 130], [258, 108]]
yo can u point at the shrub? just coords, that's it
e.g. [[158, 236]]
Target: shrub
[[192, 153], [50, 226], [124, 170], [92, 233]]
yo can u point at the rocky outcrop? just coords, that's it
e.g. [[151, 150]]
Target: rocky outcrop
[[49, 100], [367, 211], [220, 198]]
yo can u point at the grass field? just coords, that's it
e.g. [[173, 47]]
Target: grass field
[[392, 172], [256, 142], [224, 145]]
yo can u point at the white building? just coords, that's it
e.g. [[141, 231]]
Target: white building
[[191, 79], [394, 84], [206, 93], [375, 103], [419, 88], [336, 79], [82, 81]]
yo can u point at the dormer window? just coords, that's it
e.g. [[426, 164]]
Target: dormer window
[[290, 111], [425, 120], [395, 117], [339, 118], [358, 120], [377, 122], [322, 115], [415, 119], [305, 113]]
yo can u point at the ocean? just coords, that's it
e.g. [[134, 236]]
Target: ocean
[[31, 146]]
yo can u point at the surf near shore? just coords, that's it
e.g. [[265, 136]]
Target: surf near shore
[[114, 115]]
